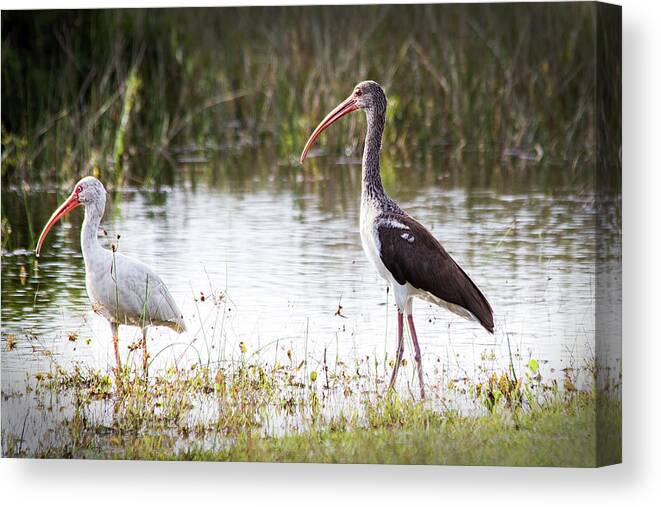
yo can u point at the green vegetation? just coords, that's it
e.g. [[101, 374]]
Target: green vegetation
[[560, 433], [128, 94], [250, 411]]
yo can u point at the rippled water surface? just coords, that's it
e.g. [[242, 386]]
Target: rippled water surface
[[269, 261], [270, 257]]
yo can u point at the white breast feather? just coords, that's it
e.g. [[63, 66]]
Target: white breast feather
[[369, 233]]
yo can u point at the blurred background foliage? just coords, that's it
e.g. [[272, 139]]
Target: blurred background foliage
[[129, 94]]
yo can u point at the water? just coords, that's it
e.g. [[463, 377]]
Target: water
[[270, 256], [280, 250]]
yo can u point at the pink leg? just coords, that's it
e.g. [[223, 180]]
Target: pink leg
[[418, 356], [400, 348]]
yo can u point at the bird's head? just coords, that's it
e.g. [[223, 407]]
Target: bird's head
[[88, 192], [370, 96], [367, 95]]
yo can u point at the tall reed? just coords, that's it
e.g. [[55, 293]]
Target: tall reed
[[122, 92]]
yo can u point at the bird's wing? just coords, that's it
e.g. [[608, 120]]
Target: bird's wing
[[145, 296], [413, 255]]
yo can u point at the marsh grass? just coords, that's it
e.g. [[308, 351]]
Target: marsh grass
[[559, 433], [252, 410], [127, 94]]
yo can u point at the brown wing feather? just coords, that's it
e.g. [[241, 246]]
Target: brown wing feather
[[413, 255]]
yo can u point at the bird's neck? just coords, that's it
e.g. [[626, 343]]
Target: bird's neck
[[372, 186], [89, 234]]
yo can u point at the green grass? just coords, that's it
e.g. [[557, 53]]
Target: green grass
[[560, 433], [250, 411]]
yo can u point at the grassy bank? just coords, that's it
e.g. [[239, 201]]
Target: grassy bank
[[560, 433], [250, 411]]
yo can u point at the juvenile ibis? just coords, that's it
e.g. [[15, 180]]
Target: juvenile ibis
[[121, 289], [401, 249]]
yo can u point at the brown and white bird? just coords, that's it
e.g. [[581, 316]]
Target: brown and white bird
[[121, 289], [401, 249]]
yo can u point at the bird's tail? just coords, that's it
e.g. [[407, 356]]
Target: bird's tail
[[476, 303]]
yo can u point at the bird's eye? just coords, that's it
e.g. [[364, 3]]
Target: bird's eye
[[79, 189], [358, 93]]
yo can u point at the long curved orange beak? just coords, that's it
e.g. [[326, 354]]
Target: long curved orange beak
[[343, 109], [71, 203]]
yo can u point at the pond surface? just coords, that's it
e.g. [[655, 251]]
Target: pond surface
[[267, 258]]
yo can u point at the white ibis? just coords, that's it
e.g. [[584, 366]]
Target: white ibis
[[404, 253], [121, 289]]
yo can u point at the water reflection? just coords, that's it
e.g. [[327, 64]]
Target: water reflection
[[279, 249]]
